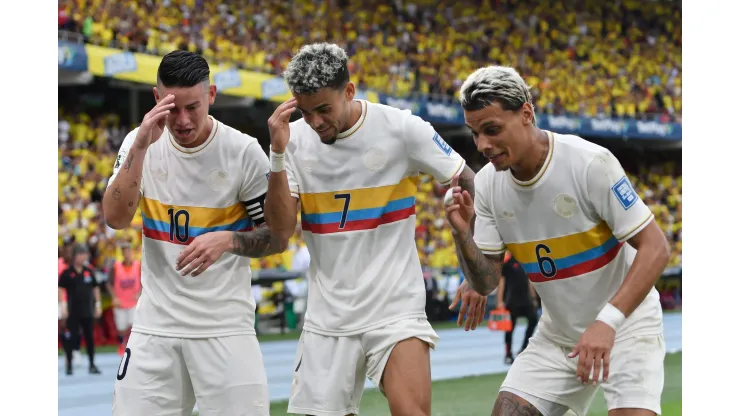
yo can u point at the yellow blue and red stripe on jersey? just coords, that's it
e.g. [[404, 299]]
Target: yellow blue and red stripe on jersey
[[358, 209], [180, 224], [571, 255]]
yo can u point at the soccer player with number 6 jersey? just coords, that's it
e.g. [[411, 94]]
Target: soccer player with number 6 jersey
[[567, 212]]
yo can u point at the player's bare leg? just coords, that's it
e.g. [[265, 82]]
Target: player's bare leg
[[509, 404], [407, 379], [631, 412]]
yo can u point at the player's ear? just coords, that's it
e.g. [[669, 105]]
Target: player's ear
[[156, 94], [349, 91], [527, 112], [211, 94]]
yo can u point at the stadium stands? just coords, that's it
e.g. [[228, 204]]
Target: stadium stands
[[591, 58]]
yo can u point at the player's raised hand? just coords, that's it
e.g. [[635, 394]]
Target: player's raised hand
[[152, 126], [473, 306], [593, 351], [202, 252], [279, 125], [459, 208]]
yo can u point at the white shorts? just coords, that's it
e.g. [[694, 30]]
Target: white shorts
[[545, 376], [164, 376], [124, 318], [330, 371]]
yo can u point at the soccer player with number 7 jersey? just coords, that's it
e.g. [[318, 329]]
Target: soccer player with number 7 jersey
[[567, 212], [354, 166]]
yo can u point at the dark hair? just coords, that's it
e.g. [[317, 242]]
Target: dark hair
[[317, 66], [182, 69]]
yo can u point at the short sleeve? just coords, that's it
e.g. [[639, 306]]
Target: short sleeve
[[254, 184], [429, 152], [121, 158], [486, 234], [613, 198], [290, 172]]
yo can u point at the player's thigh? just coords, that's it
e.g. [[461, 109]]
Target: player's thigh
[[398, 363], [545, 377], [152, 379], [328, 376], [636, 376], [228, 375]]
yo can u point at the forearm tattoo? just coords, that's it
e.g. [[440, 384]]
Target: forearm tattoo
[[482, 272], [258, 243]]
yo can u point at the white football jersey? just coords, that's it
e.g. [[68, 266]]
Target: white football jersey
[[358, 215], [186, 193], [568, 227]]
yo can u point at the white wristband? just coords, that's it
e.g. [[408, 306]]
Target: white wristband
[[611, 316], [277, 161]]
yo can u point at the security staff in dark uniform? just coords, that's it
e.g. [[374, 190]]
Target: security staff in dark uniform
[[516, 294], [82, 306]]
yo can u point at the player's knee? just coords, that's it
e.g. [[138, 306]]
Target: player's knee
[[509, 404]]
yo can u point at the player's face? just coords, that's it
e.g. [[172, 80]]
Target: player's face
[[499, 134], [327, 111], [188, 119]]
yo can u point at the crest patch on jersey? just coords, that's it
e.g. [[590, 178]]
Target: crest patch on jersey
[[624, 193], [375, 159], [442, 144], [565, 205]]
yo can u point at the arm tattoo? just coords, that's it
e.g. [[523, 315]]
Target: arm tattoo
[[128, 162], [466, 181], [116, 194], [481, 271], [258, 243], [508, 404]]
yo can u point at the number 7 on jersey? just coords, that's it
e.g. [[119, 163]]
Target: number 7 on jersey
[[346, 198]]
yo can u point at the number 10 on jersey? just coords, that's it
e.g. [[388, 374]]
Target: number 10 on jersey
[[179, 225]]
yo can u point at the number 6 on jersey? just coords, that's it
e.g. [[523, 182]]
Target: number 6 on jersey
[[546, 264]]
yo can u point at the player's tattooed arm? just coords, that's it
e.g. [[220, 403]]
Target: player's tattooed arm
[[482, 271], [258, 243], [466, 181], [122, 197]]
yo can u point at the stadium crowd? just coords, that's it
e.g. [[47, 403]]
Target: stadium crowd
[[592, 58]]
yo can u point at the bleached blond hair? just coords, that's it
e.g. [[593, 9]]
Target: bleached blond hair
[[492, 84]]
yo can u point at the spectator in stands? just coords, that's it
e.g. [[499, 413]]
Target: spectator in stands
[[516, 294], [619, 59], [82, 306]]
